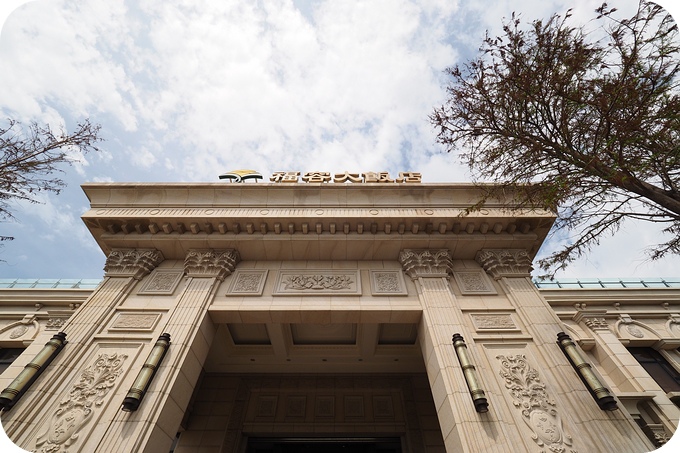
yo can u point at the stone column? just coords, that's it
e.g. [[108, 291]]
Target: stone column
[[560, 406], [153, 427], [463, 429], [58, 411]]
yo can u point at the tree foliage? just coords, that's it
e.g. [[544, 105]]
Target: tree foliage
[[583, 122], [32, 155]]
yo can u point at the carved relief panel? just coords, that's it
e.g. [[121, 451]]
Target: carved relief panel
[[248, 282], [538, 409], [473, 282], [161, 282], [319, 281], [82, 404], [387, 283]]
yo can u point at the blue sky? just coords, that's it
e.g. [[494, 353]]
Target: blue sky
[[186, 90]]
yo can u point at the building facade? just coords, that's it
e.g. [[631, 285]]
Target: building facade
[[321, 317]]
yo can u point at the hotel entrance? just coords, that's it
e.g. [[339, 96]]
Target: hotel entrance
[[323, 445]]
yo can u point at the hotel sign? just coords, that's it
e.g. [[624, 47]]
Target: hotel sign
[[326, 177]]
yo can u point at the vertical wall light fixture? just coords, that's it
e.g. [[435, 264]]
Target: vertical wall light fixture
[[30, 373], [141, 384], [478, 396], [601, 394]]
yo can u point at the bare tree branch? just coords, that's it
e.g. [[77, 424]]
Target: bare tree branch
[[32, 155], [595, 121]]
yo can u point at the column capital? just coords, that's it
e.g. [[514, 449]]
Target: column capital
[[426, 263], [211, 263], [500, 263], [135, 263]]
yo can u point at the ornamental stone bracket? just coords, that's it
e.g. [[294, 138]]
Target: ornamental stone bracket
[[594, 319], [211, 263], [426, 263], [505, 262], [135, 263]]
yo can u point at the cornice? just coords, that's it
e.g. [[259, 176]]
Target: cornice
[[367, 221]]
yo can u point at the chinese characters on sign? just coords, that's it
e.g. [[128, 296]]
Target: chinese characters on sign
[[324, 177]]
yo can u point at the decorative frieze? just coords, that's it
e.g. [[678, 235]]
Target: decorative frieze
[[500, 322], [530, 396], [135, 263], [248, 282], [162, 282], [303, 282], [135, 321], [211, 263], [78, 408], [505, 263], [473, 283], [426, 263], [387, 283]]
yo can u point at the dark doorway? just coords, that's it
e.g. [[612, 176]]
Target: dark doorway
[[323, 445]]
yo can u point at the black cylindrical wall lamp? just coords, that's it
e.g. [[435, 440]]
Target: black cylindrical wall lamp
[[599, 392], [30, 373], [141, 384], [478, 396]]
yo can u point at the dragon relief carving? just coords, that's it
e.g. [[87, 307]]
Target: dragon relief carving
[[538, 409], [77, 408]]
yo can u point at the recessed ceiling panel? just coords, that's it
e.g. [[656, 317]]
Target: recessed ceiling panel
[[308, 334]]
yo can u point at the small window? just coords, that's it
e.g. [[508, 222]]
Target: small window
[[658, 368], [7, 356]]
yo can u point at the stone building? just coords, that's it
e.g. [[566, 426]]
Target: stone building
[[320, 317]]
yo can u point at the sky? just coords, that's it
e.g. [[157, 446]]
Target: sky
[[186, 90]]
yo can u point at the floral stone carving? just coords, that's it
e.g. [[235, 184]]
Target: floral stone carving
[[538, 409], [134, 263], [77, 408], [211, 263], [332, 282]]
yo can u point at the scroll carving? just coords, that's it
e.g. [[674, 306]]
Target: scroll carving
[[77, 408], [426, 263], [505, 263], [211, 263], [538, 408], [318, 282], [134, 263]]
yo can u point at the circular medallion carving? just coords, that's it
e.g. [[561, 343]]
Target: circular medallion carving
[[429, 211], [264, 211], [374, 211], [18, 331], [319, 211], [209, 211], [101, 211], [635, 331], [154, 212]]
